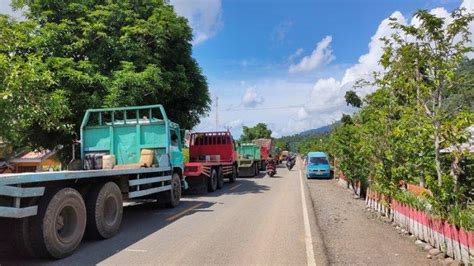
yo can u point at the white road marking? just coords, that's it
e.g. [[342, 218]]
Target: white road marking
[[179, 215], [235, 187], [307, 229], [135, 250]]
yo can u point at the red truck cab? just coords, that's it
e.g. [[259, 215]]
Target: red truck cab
[[212, 157]]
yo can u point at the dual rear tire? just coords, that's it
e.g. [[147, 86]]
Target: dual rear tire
[[63, 219], [216, 180]]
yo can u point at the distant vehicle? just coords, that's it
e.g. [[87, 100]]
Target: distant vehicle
[[283, 155], [212, 157], [290, 163], [267, 149], [317, 165], [250, 159], [270, 167]]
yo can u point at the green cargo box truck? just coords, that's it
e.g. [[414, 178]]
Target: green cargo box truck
[[49, 212], [250, 159]]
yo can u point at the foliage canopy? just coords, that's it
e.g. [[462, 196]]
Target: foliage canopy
[[68, 56]]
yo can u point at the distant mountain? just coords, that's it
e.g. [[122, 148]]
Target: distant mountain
[[309, 133], [315, 131]]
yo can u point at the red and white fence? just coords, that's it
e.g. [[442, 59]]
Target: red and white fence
[[456, 243]]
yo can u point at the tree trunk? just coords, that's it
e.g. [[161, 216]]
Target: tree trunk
[[437, 141], [422, 176]]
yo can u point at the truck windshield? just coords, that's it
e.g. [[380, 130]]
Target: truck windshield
[[318, 160]]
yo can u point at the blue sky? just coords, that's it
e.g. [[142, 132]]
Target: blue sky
[[288, 63]]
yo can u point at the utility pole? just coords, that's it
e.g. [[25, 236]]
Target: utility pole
[[217, 112]]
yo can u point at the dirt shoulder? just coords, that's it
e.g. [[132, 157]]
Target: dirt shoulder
[[354, 236]]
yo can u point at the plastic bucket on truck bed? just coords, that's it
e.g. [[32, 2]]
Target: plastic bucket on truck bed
[[146, 157]]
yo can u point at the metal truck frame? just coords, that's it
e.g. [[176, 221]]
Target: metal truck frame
[[49, 212], [212, 157]]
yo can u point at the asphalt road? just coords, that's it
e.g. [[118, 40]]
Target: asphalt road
[[259, 220]]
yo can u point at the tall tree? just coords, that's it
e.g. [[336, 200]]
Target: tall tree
[[68, 56], [260, 130], [424, 59]]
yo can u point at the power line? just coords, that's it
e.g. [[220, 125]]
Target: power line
[[263, 108]]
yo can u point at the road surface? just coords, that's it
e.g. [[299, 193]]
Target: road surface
[[253, 221], [262, 220]]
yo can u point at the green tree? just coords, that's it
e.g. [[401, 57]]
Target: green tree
[[68, 56], [424, 59], [353, 99], [260, 130]]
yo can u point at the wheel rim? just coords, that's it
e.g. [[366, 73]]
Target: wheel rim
[[111, 210], [66, 224]]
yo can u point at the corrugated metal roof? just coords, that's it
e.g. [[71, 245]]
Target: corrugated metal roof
[[33, 156]]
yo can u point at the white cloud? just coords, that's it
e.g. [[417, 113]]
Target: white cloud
[[327, 103], [295, 55], [251, 98], [320, 56], [321, 99], [369, 62], [205, 17]]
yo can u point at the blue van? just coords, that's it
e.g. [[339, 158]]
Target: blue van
[[317, 165]]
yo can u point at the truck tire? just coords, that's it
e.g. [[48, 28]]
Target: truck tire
[[21, 237], [257, 172], [174, 195], [104, 211], [234, 175], [220, 178], [212, 181], [57, 230]]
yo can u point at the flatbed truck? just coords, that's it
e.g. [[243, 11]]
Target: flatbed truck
[[48, 213], [250, 159], [212, 157]]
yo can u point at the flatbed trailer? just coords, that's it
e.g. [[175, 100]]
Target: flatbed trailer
[[50, 212], [250, 161], [212, 157]]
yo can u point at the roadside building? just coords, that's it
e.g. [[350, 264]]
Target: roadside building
[[36, 161]]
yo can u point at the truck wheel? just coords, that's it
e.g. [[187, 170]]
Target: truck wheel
[[21, 237], [257, 172], [234, 174], [212, 181], [175, 192], [104, 211], [220, 179], [57, 230]]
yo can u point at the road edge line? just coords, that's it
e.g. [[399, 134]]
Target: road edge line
[[307, 229]]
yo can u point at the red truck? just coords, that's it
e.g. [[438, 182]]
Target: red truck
[[212, 157], [266, 148]]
